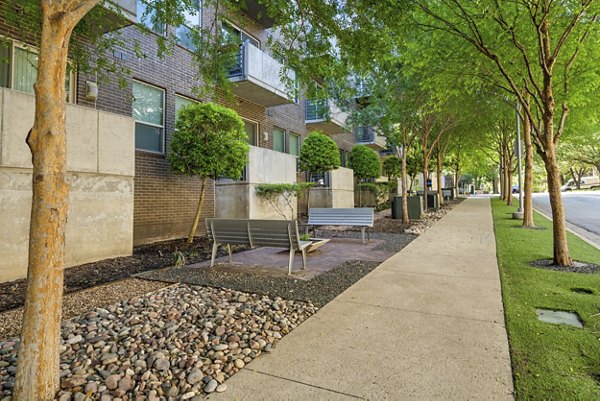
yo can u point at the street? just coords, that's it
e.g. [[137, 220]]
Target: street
[[582, 210]]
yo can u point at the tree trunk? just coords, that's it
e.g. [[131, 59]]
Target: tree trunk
[[501, 178], [508, 179], [439, 178], [198, 212], [405, 218], [561, 247], [37, 374], [528, 184], [425, 189]]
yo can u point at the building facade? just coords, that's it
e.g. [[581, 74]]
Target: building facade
[[123, 192]]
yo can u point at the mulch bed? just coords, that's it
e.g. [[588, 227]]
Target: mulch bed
[[319, 291], [144, 258], [576, 267]]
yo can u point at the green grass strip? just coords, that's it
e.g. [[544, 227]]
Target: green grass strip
[[550, 362]]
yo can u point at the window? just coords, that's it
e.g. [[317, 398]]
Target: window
[[279, 140], [148, 112], [251, 128], [4, 63], [18, 69], [183, 32], [343, 158], [180, 102], [231, 33], [294, 144], [146, 15]]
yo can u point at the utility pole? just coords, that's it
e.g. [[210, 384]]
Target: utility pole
[[519, 156]]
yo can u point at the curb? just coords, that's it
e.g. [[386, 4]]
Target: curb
[[570, 230]]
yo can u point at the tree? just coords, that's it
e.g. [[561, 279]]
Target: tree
[[38, 365], [392, 167], [366, 164], [209, 142], [319, 153], [536, 47]]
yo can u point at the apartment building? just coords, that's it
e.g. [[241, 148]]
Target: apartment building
[[123, 192]]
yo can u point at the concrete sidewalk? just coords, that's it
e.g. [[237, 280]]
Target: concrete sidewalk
[[427, 324]]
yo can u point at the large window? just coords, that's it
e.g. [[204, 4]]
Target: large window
[[181, 101], [279, 140], [146, 16], [251, 128], [184, 32], [18, 69], [294, 144], [148, 112]]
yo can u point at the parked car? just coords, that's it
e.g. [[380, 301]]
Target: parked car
[[590, 182], [515, 189]]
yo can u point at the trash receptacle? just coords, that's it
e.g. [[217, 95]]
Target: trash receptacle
[[415, 207], [433, 200], [448, 193]]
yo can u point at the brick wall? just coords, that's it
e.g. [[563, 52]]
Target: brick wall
[[165, 203]]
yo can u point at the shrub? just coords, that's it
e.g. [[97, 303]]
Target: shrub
[[278, 194], [365, 162], [209, 142], [319, 153]]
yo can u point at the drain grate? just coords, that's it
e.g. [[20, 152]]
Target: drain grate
[[559, 317]]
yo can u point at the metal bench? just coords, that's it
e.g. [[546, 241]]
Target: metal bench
[[362, 217], [256, 233]]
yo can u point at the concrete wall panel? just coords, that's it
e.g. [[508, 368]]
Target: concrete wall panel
[[100, 219], [17, 113], [82, 139], [116, 139]]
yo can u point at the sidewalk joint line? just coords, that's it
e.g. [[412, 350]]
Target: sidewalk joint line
[[423, 312], [306, 384], [443, 275]]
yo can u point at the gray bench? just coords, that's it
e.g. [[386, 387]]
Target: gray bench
[[256, 233], [362, 217]]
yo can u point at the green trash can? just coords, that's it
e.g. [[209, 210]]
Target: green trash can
[[415, 207]]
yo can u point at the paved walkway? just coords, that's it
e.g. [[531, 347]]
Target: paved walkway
[[427, 324]]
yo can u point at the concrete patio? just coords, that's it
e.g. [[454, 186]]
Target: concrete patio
[[273, 261]]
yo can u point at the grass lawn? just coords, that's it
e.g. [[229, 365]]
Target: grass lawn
[[550, 362]]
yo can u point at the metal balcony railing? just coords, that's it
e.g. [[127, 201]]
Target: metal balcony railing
[[235, 64], [316, 110], [364, 135]]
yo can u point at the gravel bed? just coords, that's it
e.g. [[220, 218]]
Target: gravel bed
[[577, 267], [318, 291], [181, 342], [80, 302]]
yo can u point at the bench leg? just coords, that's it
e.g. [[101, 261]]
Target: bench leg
[[362, 231], [214, 254], [304, 259], [368, 234], [229, 250], [291, 261]]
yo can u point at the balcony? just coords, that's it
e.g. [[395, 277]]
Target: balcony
[[257, 11], [324, 115], [256, 77], [121, 13], [369, 136]]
